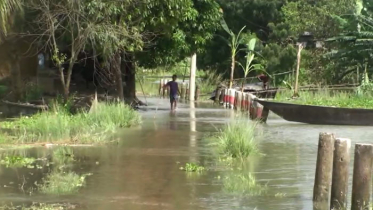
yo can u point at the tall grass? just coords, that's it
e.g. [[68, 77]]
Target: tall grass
[[58, 125], [237, 139], [324, 97]]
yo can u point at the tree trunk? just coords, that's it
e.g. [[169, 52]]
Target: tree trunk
[[118, 76], [128, 69], [15, 72], [232, 72]]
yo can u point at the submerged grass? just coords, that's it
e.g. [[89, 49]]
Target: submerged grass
[[325, 97], [39, 206], [60, 126], [63, 155], [62, 183], [237, 139], [17, 161], [192, 167], [243, 183]]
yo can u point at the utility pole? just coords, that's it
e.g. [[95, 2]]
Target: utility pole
[[192, 79]]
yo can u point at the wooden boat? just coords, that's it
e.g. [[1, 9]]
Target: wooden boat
[[321, 115]]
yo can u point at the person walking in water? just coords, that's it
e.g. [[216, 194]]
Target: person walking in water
[[174, 91]]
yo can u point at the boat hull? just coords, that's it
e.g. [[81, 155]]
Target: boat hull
[[319, 114]]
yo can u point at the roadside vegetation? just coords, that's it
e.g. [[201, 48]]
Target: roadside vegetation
[[58, 125], [324, 97]]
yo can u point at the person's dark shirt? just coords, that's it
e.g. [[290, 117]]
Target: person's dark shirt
[[173, 87]]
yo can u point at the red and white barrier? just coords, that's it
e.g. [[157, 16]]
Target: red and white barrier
[[231, 98], [226, 96], [244, 102]]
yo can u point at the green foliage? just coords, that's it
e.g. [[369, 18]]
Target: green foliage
[[209, 82], [192, 167], [17, 161], [237, 139], [32, 92], [243, 184], [320, 18], [328, 98], [250, 50], [7, 10], [3, 91], [62, 183], [181, 28], [84, 127]]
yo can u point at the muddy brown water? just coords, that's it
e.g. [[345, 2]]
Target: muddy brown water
[[142, 170]]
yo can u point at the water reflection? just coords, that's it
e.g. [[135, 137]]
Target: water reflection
[[142, 171]]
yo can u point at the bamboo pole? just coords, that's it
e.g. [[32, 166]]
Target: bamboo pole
[[300, 47]]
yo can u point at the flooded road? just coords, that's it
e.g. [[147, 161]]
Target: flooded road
[[142, 170]]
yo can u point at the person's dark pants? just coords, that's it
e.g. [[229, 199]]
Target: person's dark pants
[[172, 98]]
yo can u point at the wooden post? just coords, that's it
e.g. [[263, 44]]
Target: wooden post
[[341, 161], [221, 99], [362, 177], [300, 47], [217, 95], [187, 91], [164, 88], [192, 79], [324, 166], [196, 97], [238, 100], [161, 87]]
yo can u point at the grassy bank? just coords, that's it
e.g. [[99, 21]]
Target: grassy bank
[[59, 126], [237, 139], [328, 98]]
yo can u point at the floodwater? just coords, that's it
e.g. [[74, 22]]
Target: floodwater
[[142, 172]]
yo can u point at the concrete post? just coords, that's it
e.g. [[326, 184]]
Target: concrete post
[[197, 93], [183, 91], [341, 161], [362, 177], [192, 79], [324, 167], [221, 98]]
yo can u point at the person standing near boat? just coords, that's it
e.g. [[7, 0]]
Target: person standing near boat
[[264, 79], [174, 91]]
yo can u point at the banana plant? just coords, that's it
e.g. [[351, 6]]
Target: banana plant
[[234, 42], [7, 8], [249, 67]]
